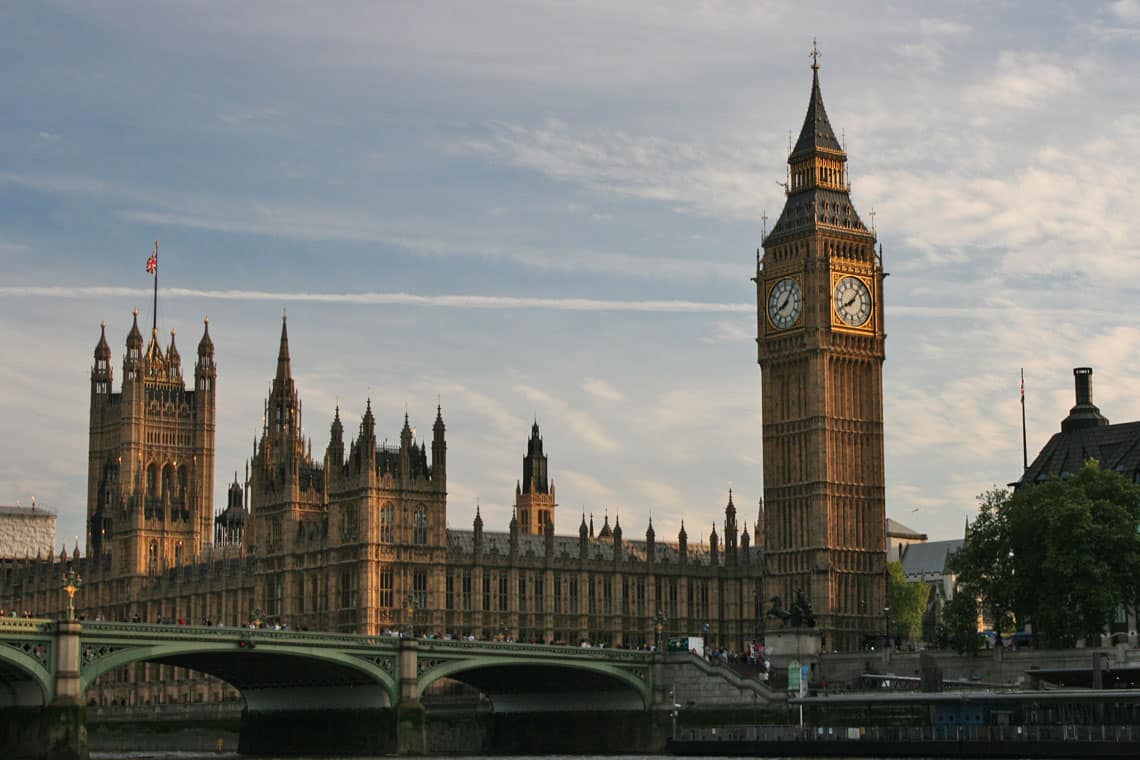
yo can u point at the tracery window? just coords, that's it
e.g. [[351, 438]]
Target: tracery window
[[419, 526], [386, 595], [387, 523]]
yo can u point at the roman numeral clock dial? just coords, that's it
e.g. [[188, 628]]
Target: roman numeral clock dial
[[852, 301], [784, 303]]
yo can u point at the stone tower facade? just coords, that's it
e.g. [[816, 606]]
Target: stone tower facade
[[343, 541], [150, 455], [821, 350], [534, 494]]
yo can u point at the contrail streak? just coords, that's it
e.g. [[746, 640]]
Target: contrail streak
[[389, 299]]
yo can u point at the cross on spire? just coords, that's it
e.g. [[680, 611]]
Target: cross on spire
[[873, 213], [764, 225], [815, 54]]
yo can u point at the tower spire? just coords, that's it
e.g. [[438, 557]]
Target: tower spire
[[283, 370]]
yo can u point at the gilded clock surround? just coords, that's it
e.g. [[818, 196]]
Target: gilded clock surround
[[822, 399], [837, 320], [797, 321]]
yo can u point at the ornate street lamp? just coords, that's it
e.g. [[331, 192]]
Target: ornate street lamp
[[659, 622], [410, 611], [255, 618], [72, 582]]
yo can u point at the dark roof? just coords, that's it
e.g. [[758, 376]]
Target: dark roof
[[462, 543], [816, 132], [896, 529], [1116, 447], [816, 208], [927, 560]]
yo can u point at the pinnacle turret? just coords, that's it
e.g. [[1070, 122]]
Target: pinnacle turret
[[284, 371], [206, 345], [102, 348]]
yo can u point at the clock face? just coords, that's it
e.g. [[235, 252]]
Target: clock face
[[784, 303], [852, 301]]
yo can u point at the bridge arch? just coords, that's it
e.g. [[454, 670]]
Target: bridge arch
[[544, 685], [270, 676], [24, 681]]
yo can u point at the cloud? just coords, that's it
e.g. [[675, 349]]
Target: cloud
[[1026, 79], [50, 136], [589, 430], [601, 389], [690, 176], [383, 299], [1127, 11]]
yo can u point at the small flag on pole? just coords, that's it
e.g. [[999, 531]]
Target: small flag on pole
[[152, 262]]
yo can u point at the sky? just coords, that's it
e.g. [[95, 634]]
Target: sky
[[550, 210]]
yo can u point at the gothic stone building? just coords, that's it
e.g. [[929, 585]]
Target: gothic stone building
[[354, 540]]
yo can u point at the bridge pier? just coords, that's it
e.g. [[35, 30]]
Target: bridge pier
[[56, 731], [411, 717]]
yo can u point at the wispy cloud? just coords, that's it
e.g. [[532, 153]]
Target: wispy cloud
[[593, 433], [383, 299], [601, 389]]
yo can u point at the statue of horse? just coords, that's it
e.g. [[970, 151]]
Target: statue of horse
[[777, 610], [801, 613]]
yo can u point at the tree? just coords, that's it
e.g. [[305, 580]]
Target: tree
[[959, 627], [907, 601], [1061, 554]]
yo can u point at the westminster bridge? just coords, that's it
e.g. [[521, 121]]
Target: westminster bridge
[[303, 690]]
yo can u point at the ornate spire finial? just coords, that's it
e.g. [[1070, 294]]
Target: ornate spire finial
[[815, 54]]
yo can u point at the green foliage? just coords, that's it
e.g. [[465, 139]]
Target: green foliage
[[960, 623], [907, 602], [1061, 554]]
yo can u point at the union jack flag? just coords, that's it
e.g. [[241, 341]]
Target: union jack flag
[[152, 262]]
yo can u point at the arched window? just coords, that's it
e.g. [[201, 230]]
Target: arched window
[[152, 558], [152, 480], [178, 554], [419, 526], [387, 523]]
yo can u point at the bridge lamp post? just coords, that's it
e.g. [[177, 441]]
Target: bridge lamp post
[[255, 618], [410, 611], [659, 622], [72, 582]]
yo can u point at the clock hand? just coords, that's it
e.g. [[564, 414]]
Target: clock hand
[[783, 303], [851, 300]]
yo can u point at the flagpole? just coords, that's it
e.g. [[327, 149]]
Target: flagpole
[[1024, 445], [154, 325]]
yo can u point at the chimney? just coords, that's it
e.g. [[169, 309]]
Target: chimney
[[1084, 414]]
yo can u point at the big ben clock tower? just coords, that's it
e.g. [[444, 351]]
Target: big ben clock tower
[[820, 337]]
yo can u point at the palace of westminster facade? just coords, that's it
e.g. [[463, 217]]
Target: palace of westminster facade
[[355, 540]]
